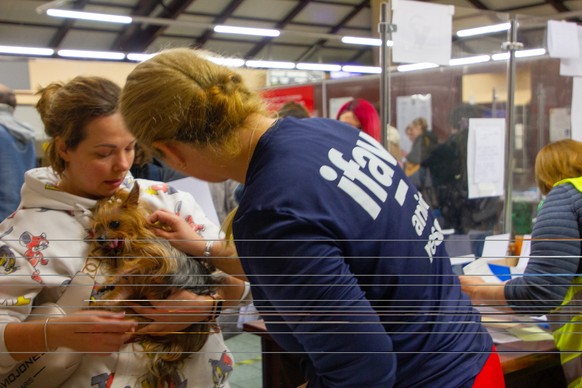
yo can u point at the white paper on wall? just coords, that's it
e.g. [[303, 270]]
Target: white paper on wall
[[573, 66], [486, 157], [562, 39], [576, 112], [560, 124], [423, 32]]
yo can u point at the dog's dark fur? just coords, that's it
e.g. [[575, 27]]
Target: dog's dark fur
[[145, 267]]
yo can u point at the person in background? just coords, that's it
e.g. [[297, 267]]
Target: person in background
[[332, 236], [361, 114], [423, 142], [393, 139], [551, 283], [447, 165], [293, 109], [44, 251], [17, 152]]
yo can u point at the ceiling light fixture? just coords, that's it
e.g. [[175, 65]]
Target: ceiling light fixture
[[469, 60], [483, 30], [500, 56], [19, 50], [364, 41], [49, 9], [270, 64], [91, 54], [520, 54], [228, 62], [318, 67], [99, 17], [416, 66], [246, 31], [530, 53], [138, 57], [362, 69]]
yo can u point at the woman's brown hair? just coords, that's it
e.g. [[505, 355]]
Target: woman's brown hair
[[66, 108]]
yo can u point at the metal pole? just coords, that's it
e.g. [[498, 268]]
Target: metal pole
[[511, 46], [385, 29], [494, 103], [324, 100], [541, 93]]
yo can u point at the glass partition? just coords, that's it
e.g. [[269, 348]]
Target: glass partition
[[459, 92]]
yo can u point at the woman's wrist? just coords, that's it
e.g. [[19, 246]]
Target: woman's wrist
[[47, 348], [216, 306], [235, 292], [207, 253]]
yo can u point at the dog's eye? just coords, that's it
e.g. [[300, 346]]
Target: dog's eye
[[114, 224]]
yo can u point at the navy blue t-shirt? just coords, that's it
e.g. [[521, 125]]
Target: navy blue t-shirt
[[348, 266]]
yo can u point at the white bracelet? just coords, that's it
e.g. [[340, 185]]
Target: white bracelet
[[246, 297], [46, 346], [208, 249]]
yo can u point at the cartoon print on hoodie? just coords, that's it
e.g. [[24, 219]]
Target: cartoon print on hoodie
[[7, 261], [35, 245]]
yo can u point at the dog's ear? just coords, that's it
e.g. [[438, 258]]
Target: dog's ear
[[132, 199]]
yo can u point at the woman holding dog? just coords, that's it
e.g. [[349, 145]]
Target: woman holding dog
[[347, 264], [44, 259]]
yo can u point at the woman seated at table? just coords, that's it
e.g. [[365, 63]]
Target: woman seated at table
[[551, 282]]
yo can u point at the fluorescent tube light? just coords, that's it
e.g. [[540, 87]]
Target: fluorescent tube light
[[483, 30], [99, 17], [91, 54], [26, 50], [416, 66], [228, 62], [246, 31], [362, 69], [530, 53], [519, 54], [138, 57], [341, 74], [364, 41], [270, 64], [318, 67], [500, 56], [469, 60]]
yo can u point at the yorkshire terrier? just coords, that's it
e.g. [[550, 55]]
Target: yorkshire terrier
[[145, 267]]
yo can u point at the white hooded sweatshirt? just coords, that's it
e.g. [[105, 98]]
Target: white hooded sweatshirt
[[42, 248]]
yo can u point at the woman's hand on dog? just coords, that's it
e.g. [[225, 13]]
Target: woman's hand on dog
[[181, 235], [177, 231], [98, 332], [176, 313]]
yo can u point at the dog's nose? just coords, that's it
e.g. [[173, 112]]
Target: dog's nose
[[101, 240]]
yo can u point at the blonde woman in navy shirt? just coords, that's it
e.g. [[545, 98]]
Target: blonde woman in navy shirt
[[346, 262]]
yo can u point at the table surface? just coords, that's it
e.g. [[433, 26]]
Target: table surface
[[514, 356]]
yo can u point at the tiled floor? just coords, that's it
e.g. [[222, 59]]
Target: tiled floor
[[246, 350]]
